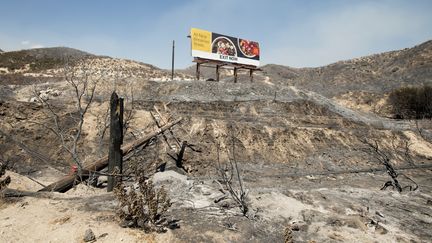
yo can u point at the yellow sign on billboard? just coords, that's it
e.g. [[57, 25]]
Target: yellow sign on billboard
[[201, 40]]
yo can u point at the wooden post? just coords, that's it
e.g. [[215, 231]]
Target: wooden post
[[172, 61], [197, 71], [251, 75], [235, 74], [217, 73], [115, 157]]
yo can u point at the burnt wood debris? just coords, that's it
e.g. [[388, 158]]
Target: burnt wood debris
[[69, 181]]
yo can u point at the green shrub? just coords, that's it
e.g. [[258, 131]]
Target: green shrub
[[412, 102]]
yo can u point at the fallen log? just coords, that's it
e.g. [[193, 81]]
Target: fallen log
[[7, 192], [68, 181]]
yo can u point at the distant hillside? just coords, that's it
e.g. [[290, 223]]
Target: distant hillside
[[1, 51], [40, 58], [376, 73], [57, 53], [47, 64]]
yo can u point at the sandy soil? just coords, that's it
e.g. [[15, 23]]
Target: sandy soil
[[318, 208]]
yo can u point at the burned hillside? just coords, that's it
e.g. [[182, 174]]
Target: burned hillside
[[307, 170]]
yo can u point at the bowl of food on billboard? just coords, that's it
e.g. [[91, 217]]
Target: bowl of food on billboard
[[248, 48], [224, 46]]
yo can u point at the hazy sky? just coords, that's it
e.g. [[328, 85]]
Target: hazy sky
[[294, 33]]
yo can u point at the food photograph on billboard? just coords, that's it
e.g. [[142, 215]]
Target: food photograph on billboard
[[213, 46]]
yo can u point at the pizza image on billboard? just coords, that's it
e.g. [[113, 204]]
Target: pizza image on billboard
[[214, 46]]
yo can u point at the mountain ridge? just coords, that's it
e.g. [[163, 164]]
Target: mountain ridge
[[380, 72]]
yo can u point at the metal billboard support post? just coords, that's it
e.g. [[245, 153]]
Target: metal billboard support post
[[235, 74]]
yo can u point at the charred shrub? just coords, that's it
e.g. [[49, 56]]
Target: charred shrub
[[143, 207], [412, 102], [4, 182]]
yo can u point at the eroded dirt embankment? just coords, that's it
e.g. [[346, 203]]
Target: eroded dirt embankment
[[292, 129]]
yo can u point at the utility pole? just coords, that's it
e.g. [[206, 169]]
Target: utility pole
[[172, 63]]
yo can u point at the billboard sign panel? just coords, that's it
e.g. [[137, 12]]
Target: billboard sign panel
[[213, 46]]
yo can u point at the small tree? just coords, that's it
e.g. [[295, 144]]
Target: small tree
[[83, 85]]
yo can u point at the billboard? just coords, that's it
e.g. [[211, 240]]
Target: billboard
[[213, 46]]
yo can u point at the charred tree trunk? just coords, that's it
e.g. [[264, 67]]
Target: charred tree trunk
[[115, 158]]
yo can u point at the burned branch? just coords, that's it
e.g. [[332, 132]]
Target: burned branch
[[384, 159]]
